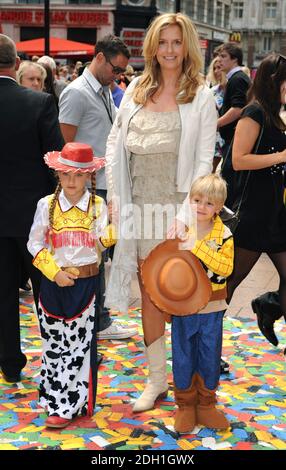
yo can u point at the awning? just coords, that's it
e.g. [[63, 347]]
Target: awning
[[58, 47]]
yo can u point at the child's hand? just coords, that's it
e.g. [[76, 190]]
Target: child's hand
[[188, 242], [65, 279], [177, 229]]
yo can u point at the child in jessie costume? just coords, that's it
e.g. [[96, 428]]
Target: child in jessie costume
[[67, 237], [188, 281]]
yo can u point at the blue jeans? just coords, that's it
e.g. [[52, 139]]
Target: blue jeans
[[102, 313], [196, 347]]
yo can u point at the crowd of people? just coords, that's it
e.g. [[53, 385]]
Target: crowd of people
[[142, 167]]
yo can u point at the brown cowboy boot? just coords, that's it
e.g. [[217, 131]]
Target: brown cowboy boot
[[185, 417], [207, 413]]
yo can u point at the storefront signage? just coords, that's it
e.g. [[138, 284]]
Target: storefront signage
[[235, 36], [133, 38], [67, 18], [204, 43], [219, 36]]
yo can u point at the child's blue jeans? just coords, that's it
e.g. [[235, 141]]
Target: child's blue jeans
[[196, 347]]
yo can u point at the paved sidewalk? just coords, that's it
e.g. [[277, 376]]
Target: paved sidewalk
[[252, 396], [262, 278]]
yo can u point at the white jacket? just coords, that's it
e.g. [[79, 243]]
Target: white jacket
[[196, 151]]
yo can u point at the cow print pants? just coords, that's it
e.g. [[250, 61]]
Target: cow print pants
[[68, 378]]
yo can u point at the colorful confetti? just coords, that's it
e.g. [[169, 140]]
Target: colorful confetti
[[253, 396]]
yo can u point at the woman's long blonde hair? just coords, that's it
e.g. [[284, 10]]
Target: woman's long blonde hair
[[190, 78], [211, 75]]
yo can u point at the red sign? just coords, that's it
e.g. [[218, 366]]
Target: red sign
[[133, 38], [57, 17], [24, 17], [204, 43]]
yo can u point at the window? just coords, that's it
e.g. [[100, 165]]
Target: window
[[271, 9], [189, 7], [68, 2], [31, 1], [201, 11], [218, 14], [87, 35], [267, 43], [31, 32], [226, 16], [238, 9], [76, 2], [164, 5], [210, 12]]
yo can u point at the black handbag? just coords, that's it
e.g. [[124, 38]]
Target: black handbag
[[231, 218]]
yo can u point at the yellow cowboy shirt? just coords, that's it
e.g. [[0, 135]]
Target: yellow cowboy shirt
[[216, 253], [76, 238]]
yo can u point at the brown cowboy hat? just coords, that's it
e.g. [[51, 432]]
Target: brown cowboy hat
[[175, 280]]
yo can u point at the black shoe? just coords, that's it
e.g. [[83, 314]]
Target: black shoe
[[224, 367], [11, 378], [99, 359], [265, 323]]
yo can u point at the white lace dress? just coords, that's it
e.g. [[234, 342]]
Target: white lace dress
[[153, 140]]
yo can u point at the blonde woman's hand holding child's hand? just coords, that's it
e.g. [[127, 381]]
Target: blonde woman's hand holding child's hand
[[65, 279], [177, 229]]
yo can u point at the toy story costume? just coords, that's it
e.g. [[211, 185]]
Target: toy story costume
[[196, 320], [73, 243]]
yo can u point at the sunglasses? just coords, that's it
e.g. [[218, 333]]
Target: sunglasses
[[115, 69], [280, 58]]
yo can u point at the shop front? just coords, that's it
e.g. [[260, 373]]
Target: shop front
[[68, 22]]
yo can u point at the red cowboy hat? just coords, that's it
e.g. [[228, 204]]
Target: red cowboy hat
[[175, 280], [75, 157]]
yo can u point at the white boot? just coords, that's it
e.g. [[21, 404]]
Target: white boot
[[157, 385]]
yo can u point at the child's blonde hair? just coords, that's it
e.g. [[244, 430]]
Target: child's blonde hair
[[212, 186]]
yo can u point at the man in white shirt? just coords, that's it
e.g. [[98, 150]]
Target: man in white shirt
[[86, 115]]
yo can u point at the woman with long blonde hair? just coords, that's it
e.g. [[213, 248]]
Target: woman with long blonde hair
[[217, 80], [163, 138]]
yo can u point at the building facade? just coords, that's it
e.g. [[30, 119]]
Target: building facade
[[89, 20], [131, 19], [77, 20], [260, 27]]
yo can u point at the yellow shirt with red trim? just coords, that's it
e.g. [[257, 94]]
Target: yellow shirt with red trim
[[76, 238]]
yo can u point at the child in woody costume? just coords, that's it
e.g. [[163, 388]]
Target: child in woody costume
[[67, 236], [194, 293]]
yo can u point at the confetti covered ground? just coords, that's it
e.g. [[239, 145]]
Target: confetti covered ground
[[253, 395]]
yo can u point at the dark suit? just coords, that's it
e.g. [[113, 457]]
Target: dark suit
[[28, 128]]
